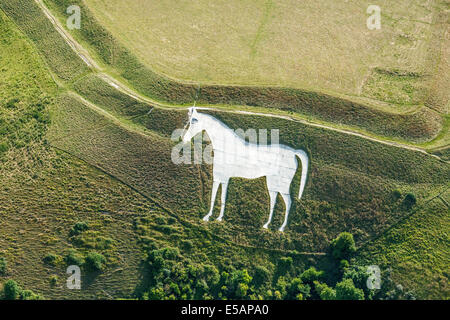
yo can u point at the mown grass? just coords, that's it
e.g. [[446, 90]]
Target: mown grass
[[417, 126], [264, 42]]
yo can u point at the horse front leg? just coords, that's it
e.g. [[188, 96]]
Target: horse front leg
[[273, 198], [213, 199], [223, 199]]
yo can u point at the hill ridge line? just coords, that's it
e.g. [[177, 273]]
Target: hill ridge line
[[118, 85]]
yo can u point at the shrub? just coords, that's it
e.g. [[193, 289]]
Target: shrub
[[187, 244], [29, 295], [410, 200], [51, 259], [396, 194], [346, 290], [53, 280], [344, 265], [95, 261], [12, 103], [324, 291], [3, 147], [11, 290], [78, 228], [310, 275], [343, 246], [296, 289]]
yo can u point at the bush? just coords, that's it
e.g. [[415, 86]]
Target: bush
[[11, 290], [324, 291], [78, 228], [29, 295], [95, 261], [311, 275], [51, 259], [346, 290], [344, 265], [12, 103], [3, 147], [343, 246], [396, 194], [297, 290], [187, 244], [410, 200], [53, 280]]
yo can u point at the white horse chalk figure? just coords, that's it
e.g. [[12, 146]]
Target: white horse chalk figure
[[235, 157]]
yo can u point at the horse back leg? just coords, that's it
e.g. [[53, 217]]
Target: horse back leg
[[273, 198], [287, 202], [213, 199], [223, 200]]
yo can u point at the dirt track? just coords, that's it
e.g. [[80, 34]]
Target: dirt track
[[84, 55]]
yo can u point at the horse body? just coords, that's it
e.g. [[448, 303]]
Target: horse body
[[235, 157]]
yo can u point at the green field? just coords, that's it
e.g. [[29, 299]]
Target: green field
[[279, 43], [75, 151]]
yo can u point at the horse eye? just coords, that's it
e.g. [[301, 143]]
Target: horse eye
[[194, 120]]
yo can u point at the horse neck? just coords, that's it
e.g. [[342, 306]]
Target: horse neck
[[218, 132]]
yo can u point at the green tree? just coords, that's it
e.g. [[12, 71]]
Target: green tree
[[261, 276], [343, 246], [346, 290], [11, 290], [297, 290], [324, 291], [310, 275]]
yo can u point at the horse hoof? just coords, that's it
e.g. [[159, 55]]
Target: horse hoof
[[281, 229], [265, 226], [206, 218], [219, 219]]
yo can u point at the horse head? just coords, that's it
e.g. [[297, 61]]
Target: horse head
[[194, 125]]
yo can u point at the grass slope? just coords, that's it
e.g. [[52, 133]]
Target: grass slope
[[44, 192], [417, 126], [417, 252], [264, 42], [136, 189]]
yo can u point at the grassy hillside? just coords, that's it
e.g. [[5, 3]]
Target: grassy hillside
[[45, 192], [280, 43], [421, 125], [417, 251], [80, 151]]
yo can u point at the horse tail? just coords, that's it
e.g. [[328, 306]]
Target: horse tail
[[304, 160]]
